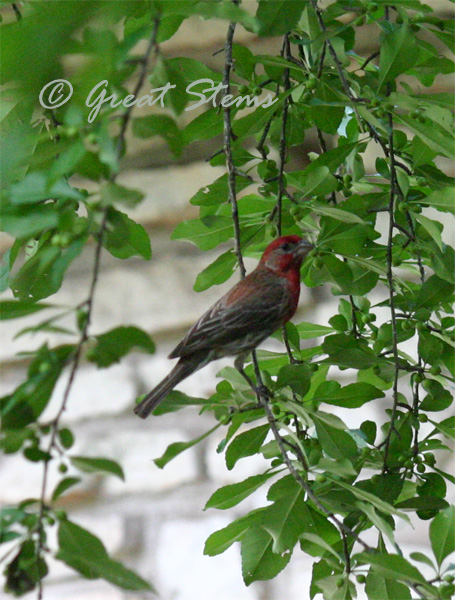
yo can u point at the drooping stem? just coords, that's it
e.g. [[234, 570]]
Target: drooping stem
[[88, 306]]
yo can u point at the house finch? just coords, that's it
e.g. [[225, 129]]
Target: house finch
[[243, 318]]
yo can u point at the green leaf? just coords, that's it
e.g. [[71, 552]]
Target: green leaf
[[125, 238], [349, 396], [231, 495], [176, 400], [216, 193], [378, 503], [446, 427], [66, 437], [245, 444], [380, 523], [443, 200], [327, 108], [442, 534], [217, 272], [28, 401], [314, 182], [63, 485], [162, 125], [25, 222], [391, 566], [42, 274], [255, 121], [14, 309], [278, 17], [221, 540], [399, 52], [95, 465], [112, 346], [34, 188], [433, 291], [335, 442], [346, 351], [378, 587], [297, 377], [177, 448], [431, 134], [423, 558], [285, 521], [67, 161], [205, 233], [308, 331], [259, 563], [85, 553], [113, 193], [337, 213], [203, 127], [433, 228], [422, 503]]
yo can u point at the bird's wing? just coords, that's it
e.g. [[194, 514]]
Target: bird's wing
[[247, 308]]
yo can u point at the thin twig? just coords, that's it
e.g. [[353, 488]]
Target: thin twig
[[17, 11], [88, 304], [74, 367], [262, 398], [228, 148], [283, 146], [261, 391], [394, 190], [369, 59], [140, 82]]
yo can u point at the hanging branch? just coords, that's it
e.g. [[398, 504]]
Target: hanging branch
[[285, 52], [228, 135], [263, 394], [88, 307], [395, 191]]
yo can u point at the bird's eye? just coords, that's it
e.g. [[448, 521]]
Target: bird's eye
[[285, 246]]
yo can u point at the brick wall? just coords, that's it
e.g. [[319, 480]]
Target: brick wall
[[154, 521]]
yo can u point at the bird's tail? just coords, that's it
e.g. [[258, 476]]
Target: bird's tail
[[181, 370]]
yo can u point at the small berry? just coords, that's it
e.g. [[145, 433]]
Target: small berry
[[311, 84], [429, 458], [427, 385], [417, 377], [422, 314]]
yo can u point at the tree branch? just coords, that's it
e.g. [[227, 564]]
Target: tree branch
[[88, 304]]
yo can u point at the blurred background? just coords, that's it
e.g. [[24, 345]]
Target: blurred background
[[154, 521]]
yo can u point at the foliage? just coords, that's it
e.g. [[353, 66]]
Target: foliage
[[328, 483]]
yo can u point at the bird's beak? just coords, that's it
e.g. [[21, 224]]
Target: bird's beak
[[304, 247]]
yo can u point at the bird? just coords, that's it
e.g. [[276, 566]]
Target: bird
[[240, 320]]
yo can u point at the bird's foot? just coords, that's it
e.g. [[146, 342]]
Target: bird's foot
[[263, 391]]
